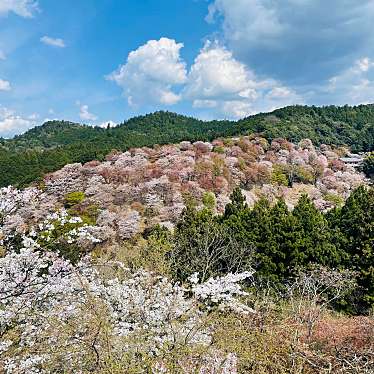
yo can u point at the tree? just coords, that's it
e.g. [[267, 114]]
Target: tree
[[237, 203], [278, 248], [314, 243], [354, 223], [368, 165], [203, 244], [311, 292]]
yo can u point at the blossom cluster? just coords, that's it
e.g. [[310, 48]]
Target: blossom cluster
[[47, 302], [12, 199], [60, 226], [223, 291]]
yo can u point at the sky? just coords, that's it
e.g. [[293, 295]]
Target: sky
[[104, 61]]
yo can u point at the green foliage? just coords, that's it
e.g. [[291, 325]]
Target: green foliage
[[278, 242], [274, 240], [368, 166], [279, 176], [315, 243], [237, 203], [354, 225], [209, 200], [219, 149], [334, 198], [73, 198], [88, 213], [49, 147], [57, 240]]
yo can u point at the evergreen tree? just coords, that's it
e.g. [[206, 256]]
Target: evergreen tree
[[314, 244], [368, 166], [237, 204], [282, 239], [355, 234]]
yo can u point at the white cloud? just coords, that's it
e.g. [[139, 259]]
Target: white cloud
[[2, 55], [105, 124], [204, 103], [11, 123], [302, 42], [255, 21], [54, 42], [85, 115], [23, 8], [216, 74], [354, 85], [237, 109], [364, 64], [151, 73], [218, 80], [4, 85]]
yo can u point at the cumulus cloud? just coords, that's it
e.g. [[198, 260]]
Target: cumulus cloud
[[4, 85], [298, 40], [23, 8], [54, 42], [218, 80], [354, 85], [152, 73], [216, 74], [255, 20], [11, 123], [105, 124], [84, 113]]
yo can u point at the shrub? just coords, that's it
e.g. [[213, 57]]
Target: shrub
[[334, 199], [73, 198], [209, 200], [219, 149], [279, 176], [368, 165]]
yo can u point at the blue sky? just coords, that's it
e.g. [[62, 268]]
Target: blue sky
[[95, 61]]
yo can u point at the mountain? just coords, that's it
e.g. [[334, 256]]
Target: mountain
[[206, 256], [43, 149], [52, 134]]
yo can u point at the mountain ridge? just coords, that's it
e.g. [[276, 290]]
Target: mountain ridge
[[49, 147]]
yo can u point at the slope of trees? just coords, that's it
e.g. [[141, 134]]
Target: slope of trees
[[252, 290], [278, 242], [51, 146]]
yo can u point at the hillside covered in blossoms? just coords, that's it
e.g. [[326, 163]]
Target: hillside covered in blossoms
[[49, 147], [140, 188], [186, 187], [238, 255]]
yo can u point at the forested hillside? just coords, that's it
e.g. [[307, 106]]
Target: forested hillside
[[55, 144], [232, 256]]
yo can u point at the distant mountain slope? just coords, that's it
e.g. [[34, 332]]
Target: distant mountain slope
[[52, 134], [56, 143], [160, 127]]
